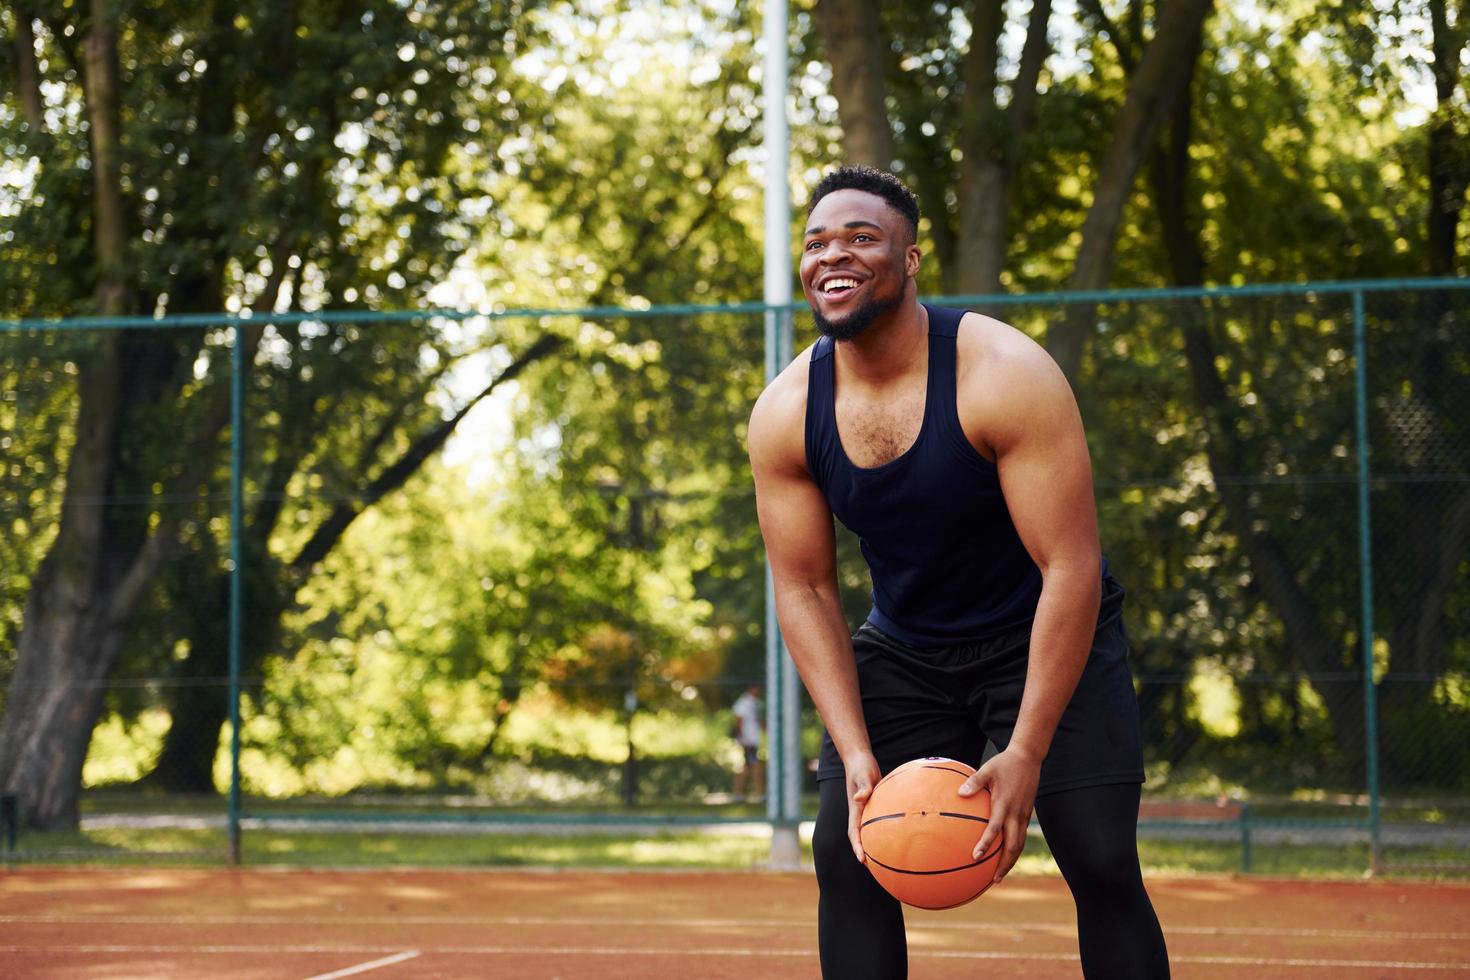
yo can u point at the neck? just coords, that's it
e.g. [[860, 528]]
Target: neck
[[892, 346]]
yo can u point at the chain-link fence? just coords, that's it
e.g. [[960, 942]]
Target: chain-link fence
[[1418, 410], [502, 569], [112, 635]]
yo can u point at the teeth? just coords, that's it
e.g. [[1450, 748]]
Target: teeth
[[835, 284]]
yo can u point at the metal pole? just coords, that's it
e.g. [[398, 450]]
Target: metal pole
[[237, 571], [1245, 838], [630, 767], [783, 802], [1365, 574], [792, 762]]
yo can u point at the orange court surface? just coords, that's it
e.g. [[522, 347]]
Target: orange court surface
[[382, 924]]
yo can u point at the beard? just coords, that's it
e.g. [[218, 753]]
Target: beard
[[859, 319]]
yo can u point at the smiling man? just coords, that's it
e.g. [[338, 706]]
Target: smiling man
[[951, 444]]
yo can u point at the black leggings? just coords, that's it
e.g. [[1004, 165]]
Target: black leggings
[[1092, 834]]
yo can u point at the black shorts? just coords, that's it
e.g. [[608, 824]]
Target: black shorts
[[947, 701]]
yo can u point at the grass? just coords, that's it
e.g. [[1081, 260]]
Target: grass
[[131, 846], [130, 802], [121, 847], [1297, 860]]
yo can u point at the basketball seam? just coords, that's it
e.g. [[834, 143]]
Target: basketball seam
[[937, 813], [944, 871], [886, 816]]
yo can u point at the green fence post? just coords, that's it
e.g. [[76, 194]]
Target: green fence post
[[237, 572], [9, 820], [772, 629], [1245, 838], [785, 843], [1365, 562]]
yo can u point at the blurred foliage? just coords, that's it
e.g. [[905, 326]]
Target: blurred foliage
[[492, 155]]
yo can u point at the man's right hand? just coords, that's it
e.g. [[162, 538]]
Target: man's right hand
[[862, 775]]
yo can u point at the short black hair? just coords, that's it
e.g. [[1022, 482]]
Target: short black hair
[[872, 181]]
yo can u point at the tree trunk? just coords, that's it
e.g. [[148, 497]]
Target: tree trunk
[[104, 143], [199, 710], [853, 36], [1438, 521], [512, 686], [198, 704], [1435, 541], [1435, 532], [27, 74], [69, 640], [1449, 160], [63, 659], [1274, 574], [991, 142], [89, 584], [1162, 74], [1320, 650], [197, 713], [85, 588], [1413, 727]]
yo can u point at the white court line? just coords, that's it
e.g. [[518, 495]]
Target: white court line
[[348, 971], [720, 923], [724, 952], [1323, 964], [208, 949]]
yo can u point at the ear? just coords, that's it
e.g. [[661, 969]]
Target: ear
[[911, 258]]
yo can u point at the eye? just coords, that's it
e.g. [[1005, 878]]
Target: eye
[[862, 236], [813, 245]]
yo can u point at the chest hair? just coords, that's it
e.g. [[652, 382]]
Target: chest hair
[[877, 431]]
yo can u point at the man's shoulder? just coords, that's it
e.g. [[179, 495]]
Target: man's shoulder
[[781, 408], [986, 337], [791, 383], [1003, 376], [995, 355]]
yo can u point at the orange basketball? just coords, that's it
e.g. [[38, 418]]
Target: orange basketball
[[919, 835]]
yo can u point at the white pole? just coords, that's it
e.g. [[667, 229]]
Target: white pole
[[778, 193], [783, 715]]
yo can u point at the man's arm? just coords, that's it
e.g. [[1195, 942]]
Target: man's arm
[[796, 524], [1035, 431]]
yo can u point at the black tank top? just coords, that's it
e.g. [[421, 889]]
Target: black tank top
[[947, 564]]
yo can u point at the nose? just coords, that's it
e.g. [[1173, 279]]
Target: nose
[[833, 253]]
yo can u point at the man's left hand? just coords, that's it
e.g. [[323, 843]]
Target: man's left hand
[[1011, 776]]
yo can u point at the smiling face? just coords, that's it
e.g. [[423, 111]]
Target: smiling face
[[858, 261]]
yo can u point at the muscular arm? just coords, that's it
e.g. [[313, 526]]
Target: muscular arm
[[1046, 477], [797, 527], [1035, 432]]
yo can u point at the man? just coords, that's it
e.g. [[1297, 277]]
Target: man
[[749, 723], [951, 444]]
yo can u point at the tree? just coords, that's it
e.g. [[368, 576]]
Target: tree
[[866, 47], [1249, 394], [1449, 129], [853, 39], [571, 174], [1249, 402], [218, 181], [1154, 87], [1422, 521], [949, 107], [342, 413]]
